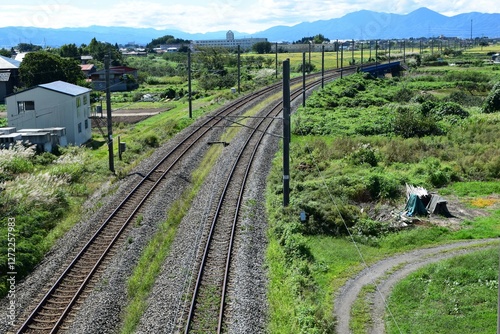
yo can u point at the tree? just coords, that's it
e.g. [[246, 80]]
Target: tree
[[262, 47], [6, 53], [168, 39], [212, 73], [43, 67], [69, 51], [318, 39], [28, 47], [98, 50]]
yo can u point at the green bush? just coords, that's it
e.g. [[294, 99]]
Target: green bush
[[327, 219], [152, 141], [465, 99], [411, 123], [384, 187], [403, 95], [364, 154], [366, 229], [492, 102], [450, 109]]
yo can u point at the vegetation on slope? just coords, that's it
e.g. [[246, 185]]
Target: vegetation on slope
[[355, 146]]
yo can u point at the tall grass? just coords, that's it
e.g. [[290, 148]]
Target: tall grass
[[453, 296], [337, 168]]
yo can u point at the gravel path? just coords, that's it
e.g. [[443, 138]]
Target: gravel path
[[385, 274]]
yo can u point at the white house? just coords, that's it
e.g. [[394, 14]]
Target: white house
[[52, 105]]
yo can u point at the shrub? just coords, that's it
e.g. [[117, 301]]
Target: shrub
[[369, 227], [152, 141], [451, 109], [465, 99], [45, 158], [409, 123], [169, 93], [492, 102], [381, 186], [403, 95], [364, 154], [330, 220], [308, 68]]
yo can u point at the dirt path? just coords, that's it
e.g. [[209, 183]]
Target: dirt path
[[386, 273]]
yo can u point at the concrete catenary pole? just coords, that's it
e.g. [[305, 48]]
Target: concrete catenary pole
[[108, 115], [286, 133]]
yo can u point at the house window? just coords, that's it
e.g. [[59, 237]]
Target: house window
[[23, 106], [79, 127], [85, 99], [86, 124], [78, 102]]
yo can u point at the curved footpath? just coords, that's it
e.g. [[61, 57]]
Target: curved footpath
[[387, 273]]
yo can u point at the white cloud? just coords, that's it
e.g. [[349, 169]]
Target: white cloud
[[202, 15]]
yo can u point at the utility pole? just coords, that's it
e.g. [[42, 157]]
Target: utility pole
[[189, 86], [341, 60], [239, 69], [303, 79], [276, 60], [337, 47], [310, 45], [286, 132], [323, 66], [352, 56], [370, 57], [404, 50], [108, 115], [390, 51], [361, 53]]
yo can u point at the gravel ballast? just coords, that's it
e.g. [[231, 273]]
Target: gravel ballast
[[101, 311]]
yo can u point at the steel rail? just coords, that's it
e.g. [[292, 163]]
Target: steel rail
[[270, 116]]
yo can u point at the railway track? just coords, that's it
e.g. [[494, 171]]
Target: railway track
[[207, 310], [50, 315]]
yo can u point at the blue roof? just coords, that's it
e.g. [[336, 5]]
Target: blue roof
[[8, 63], [65, 88]]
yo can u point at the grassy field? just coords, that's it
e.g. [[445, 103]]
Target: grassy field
[[352, 148]]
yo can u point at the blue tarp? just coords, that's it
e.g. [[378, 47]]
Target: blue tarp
[[415, 207]]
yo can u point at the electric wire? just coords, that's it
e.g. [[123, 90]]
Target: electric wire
[[356, 246]]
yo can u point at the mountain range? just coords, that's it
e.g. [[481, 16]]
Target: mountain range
[[360, 25]]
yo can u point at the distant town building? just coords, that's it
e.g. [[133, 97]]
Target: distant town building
[[229, 42], [88, 69], [53, 105], [122, 79], [9, 76]]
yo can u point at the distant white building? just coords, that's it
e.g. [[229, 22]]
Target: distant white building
[[229, 42], [52, 105]]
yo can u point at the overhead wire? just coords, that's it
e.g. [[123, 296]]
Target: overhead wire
[[355, 244]]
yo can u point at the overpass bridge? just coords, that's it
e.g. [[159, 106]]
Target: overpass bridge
[[378, 70]]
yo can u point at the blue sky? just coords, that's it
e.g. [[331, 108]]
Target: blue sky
[[200, 16]]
